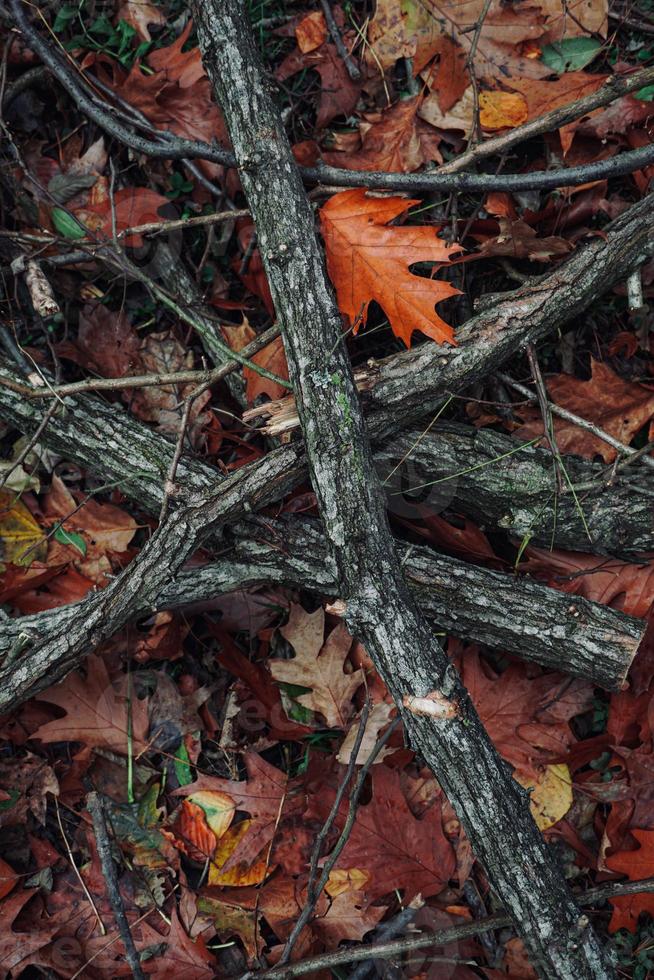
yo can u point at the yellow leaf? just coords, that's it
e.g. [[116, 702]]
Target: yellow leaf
[[502, 110], [241, 874], [218, 809], [346, 879], [21, 539], [551, 793]]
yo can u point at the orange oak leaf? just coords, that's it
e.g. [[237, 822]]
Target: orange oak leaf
[[619, 407], [395, 139], [636, 865], [390, 844], [501, 110], [318, 664], [368, 260]]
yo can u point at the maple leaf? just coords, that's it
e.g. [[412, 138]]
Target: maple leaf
[[338, 93], [636, 865], [619, 584], [619, 407], [96, 711], [395, 849], [261, 795], [367, 260], [526, 717], [318, 665], [395, 139]]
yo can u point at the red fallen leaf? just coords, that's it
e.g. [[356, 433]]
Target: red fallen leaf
[[32, 779], [18, 944], [262, 796], [132, 206], [526, 717], [619, 584], [96, 711], [448, 76], [387, 842], [619, 407], [257, 679], [516, 238], [8, 878], [190, 833], [184, 958], [56, 586], [543, 96], [368, 260], [395, 139], [177, 95], [636, 865], [338, 93]]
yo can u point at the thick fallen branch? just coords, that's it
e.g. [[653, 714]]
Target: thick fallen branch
[[169, 147], [414, 383], [509, 492], [437, 713], [517, 615]]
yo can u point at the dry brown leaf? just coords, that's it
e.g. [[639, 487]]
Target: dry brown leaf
[[619, 407], [96, 711], [141, 14], [319, 665], [378, 719], [395, 139]]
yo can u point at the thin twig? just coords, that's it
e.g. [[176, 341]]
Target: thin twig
[[171, 147], [95, 807], [169, 483], [544, 405], [349, 62], [315, 890], [89, 897], [563, 413], [356, 954], [470, 65]]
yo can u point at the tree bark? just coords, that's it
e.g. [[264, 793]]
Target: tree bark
[[438, 715], [512, 493], [521, 617]]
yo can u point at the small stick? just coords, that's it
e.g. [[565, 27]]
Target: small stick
[[315, 890], [95, 807], [563, 413], [348, 60], [52, 408], [544, 405], [169, 483]]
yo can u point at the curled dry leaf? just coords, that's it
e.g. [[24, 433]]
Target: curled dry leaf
[[636, 865]]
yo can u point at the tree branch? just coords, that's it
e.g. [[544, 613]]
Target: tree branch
[[172, 147], [437, 712]]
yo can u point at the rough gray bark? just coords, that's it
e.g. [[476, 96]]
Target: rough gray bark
[[514, 491], [512, 494], [522, 617], [438, 715]]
